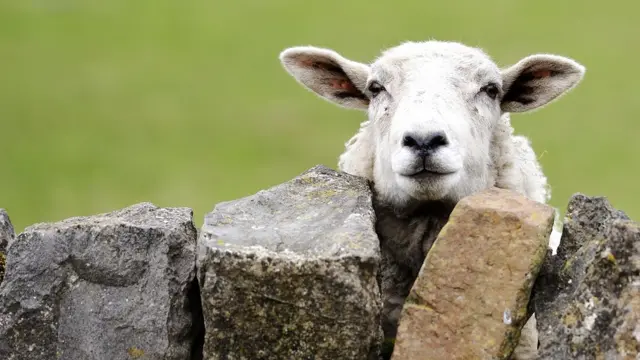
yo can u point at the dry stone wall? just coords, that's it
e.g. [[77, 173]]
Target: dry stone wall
[[291, 273]]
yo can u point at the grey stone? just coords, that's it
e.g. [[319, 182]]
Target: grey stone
[[290, 272], [7, 235], [587, 296], [110, 286]]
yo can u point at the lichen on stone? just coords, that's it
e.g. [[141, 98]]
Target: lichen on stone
[[135, 353]]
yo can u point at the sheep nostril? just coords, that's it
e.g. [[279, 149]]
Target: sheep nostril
[[437, 140], [425, 144], [409, 141]]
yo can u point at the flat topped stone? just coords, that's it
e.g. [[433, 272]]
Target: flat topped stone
[[110, 286], [142, 215], [470, 298], [321, 213], [290, 272]]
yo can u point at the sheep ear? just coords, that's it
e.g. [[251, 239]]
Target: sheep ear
[[537, 80], [328, 74]]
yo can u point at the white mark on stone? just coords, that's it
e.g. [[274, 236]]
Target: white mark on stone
[[506, 317], [589, 321], [556, 233], [606, 253], [636, 333], [353, 217], [590, 304]]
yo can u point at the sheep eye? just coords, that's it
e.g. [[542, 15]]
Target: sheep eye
[[491, 90], [375, 88]]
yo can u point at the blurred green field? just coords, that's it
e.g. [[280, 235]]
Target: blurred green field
[[184, 103]]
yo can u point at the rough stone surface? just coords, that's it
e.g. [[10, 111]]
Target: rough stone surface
[[290, 272], [470, 298], [7, 235], [110, 286], [587, 296]]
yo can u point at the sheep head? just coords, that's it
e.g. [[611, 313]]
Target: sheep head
[[432, 110]]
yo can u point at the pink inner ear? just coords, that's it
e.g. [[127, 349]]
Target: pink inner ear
[[538, 74], [307, 62], [310, 63], [340, 84]]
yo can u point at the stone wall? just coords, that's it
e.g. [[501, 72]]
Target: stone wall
[[291, 273]]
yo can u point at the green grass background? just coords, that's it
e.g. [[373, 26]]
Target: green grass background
[[184, 103]]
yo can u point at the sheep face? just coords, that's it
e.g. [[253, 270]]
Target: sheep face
[[432, 110], [432, 107]]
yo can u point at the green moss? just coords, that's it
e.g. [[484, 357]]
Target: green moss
[[135, 353], [611, 258], [569, 320], [226, 220], [509, 344], [567, 264], [322, 193], [308, 179], [420, 306], [411, 299]]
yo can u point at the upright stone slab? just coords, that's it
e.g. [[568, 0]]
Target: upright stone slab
[[290, 272], [7, 235], [104, 287], [587, 296], [470, 298]]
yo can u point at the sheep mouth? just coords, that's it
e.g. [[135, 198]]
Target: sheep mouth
[[425, 173]]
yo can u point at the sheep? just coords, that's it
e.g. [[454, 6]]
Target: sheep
[[438, 129]]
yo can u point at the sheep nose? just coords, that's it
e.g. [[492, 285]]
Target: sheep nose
[[425, 144]]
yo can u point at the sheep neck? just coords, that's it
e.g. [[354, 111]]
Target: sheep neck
[[408, 233]]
